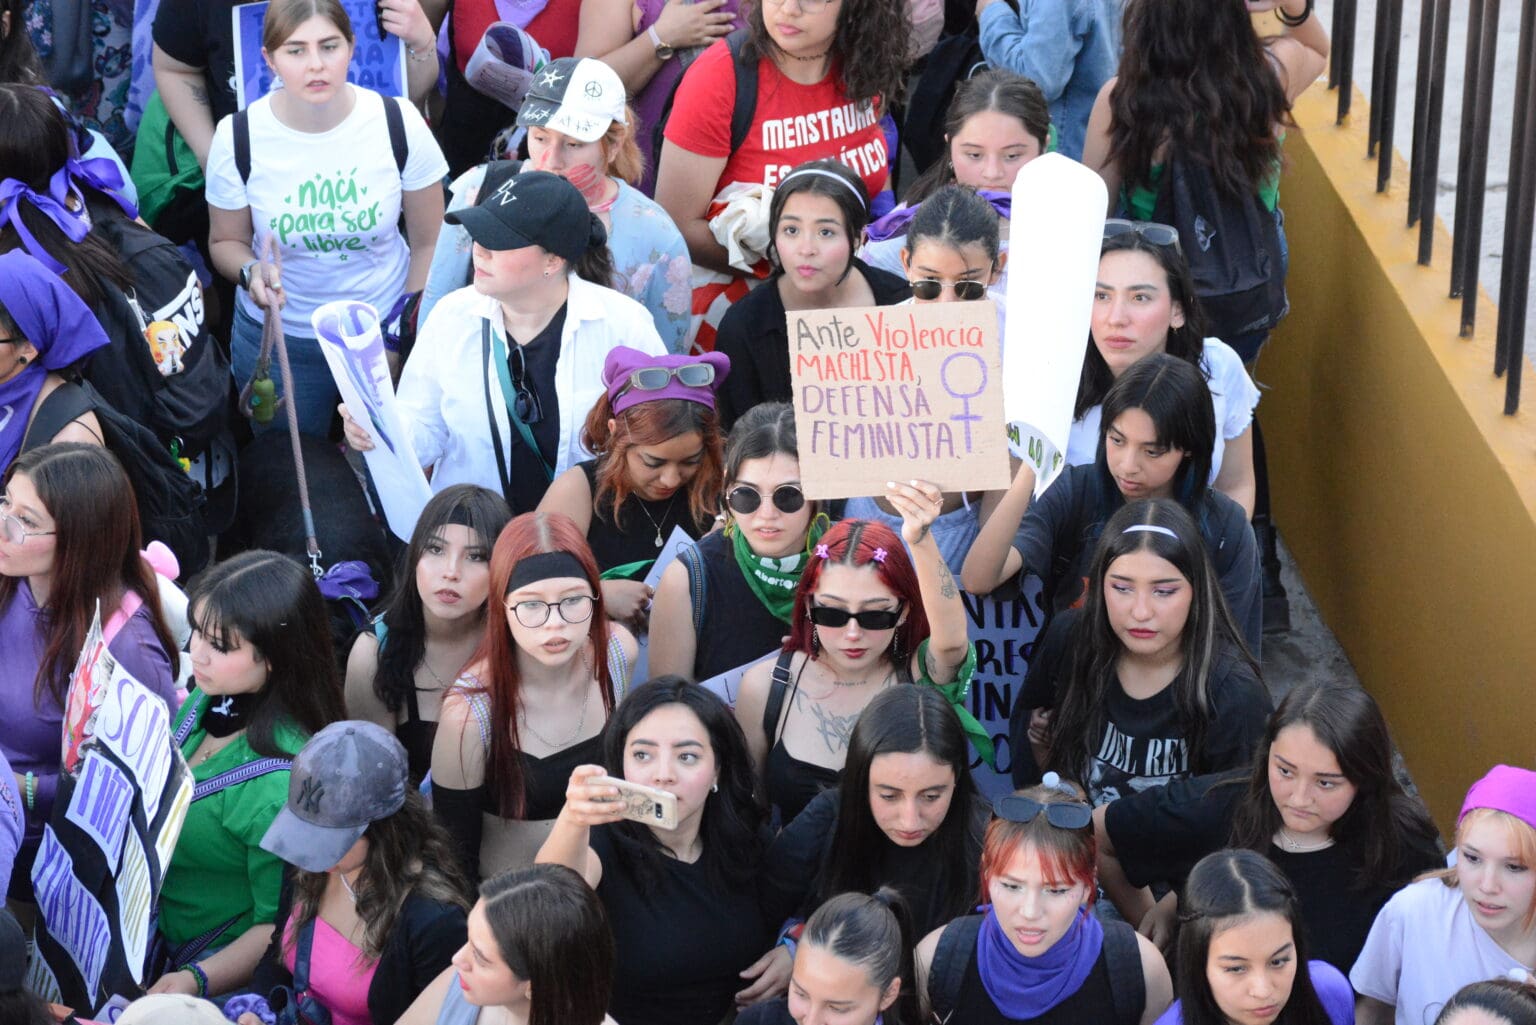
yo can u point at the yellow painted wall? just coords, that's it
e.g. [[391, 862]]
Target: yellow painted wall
[[1407, 496]]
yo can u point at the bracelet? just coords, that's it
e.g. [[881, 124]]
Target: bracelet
[[201, 977], [30, 786], [419, 56]]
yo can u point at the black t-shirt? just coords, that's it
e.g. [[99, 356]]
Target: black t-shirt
[[1142, 743], [681, 943], [529, 479], [754, 334], [200, 34]]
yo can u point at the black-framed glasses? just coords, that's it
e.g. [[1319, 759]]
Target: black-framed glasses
[[929, 289], [525, 401], [745, 499], [691, 375], [1061, 814], [1157, 234], [575, 609], [869, 619]]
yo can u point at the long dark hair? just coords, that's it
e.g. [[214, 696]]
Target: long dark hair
[[955, 216], [1194, 76], [1209, 637], [273, 603], [485, 514], [992, 90], [408, 854], [36, 143], [906, 720], [732, 814], [1187, 341], [873, 932], [95, 555], [1505, 999], [870, 46], [551, 930], [1223, 887], [1176, 398], [1348, 722], [18, 58]]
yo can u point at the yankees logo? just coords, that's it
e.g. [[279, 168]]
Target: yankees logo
[[310, 793]]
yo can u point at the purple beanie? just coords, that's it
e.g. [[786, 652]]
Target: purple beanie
[[623, 361], [1507, 789]]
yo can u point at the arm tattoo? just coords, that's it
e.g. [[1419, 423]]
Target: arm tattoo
[[946, 580]]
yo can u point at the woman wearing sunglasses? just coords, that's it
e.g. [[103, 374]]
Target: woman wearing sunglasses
[[728, 601], [658, 468], [1038, 953], [1143, 303], [866, 616], [953, 250], [532, 703], [69, 540], [506, 369]]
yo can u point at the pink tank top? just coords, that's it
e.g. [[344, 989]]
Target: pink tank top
[[338, 976]]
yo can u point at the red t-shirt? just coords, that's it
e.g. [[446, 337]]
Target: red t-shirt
[[554, 28], [792, 124]]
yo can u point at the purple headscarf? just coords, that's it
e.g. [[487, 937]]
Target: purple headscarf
[[895, 223], [57, 323]]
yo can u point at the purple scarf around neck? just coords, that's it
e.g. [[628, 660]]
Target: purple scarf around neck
[[1027, 987]]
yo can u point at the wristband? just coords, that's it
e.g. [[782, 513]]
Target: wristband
[[30, 786], [201, 977]]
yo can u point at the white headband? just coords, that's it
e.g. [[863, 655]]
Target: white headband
[[1150, 527], [844, 182]]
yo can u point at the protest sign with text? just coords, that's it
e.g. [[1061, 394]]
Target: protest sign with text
[[377, 64], [897, 392]]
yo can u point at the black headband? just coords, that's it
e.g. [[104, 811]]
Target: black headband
[[544, 566]]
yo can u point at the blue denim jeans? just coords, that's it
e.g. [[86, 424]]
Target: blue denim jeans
[[316, 394]]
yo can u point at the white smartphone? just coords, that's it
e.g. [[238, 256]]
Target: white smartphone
[[644, 804]]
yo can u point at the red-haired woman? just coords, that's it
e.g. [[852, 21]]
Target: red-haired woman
[[658, 467], [532, 704], [866, 617], [1039, 954]]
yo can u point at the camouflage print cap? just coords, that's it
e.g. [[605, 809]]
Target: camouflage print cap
[[349, 774]]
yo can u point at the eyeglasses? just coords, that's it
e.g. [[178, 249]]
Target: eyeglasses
[[692, 375], [15, 531], [1062, 815], [745, 499], [869, 619], [525, 401], [929, 289], [1157, 234], [808, 6], [575, 609]]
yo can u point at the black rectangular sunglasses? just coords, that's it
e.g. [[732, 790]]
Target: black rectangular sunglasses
[[1062, 815], [869, 619]]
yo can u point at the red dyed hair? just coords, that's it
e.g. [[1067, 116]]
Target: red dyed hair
[[654, 423], [854, 543], [529, 534], [1066, 855]]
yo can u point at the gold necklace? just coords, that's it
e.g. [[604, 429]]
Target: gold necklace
[[581, 721]]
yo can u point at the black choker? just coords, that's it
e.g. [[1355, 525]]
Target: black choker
[[228, 714]]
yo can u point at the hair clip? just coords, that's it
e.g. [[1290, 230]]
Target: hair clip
[[1519, 975], [821, 551], [1150, 528], [879, 555], [1053, 780]]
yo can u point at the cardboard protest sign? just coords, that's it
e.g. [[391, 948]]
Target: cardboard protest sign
[[105, 851], [377, 64], [1053, 263], [354, 350], [895, 393]]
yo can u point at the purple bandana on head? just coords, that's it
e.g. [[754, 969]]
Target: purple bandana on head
[[895, 223], [1027, 987], [57, 323], [623, 361]]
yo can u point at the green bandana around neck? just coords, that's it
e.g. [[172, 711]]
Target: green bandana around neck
[[774, 580]]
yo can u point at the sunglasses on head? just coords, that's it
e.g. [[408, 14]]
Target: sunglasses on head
[[869, 619], [692, 375], [745, 499], [1157, 234], [929, 289], [1062, 815]]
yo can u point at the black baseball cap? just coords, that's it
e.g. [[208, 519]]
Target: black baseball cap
[[534, 208]]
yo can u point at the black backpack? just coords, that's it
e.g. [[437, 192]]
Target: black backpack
[[1232, 244], [170, 502], [746, 98], [1122, 958], [953, 60], [395, 121]]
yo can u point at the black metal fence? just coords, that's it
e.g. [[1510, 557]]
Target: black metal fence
[[1472, 163]]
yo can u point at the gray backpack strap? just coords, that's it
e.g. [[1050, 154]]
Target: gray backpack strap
[[698, 590], [1127, 985], [956, 945]]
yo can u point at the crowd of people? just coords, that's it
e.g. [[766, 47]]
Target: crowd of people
[[755, 781]]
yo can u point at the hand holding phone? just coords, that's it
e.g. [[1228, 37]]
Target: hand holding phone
[[643, 804]]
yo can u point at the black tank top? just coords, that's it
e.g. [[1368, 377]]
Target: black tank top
[[545, 779], [735, 628], [416, 736], [1092, 1003], [643, 523]]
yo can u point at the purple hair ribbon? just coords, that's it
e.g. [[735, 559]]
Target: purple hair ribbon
[[12, 192]]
